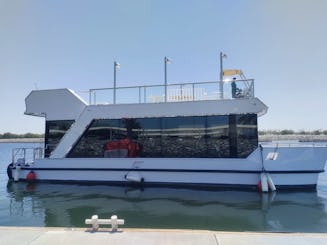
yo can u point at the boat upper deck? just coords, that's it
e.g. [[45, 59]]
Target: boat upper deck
[[183, 99], [176, 92]]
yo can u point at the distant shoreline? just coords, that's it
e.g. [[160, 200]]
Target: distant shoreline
[[262, 138], [22, 140], [293, 137]]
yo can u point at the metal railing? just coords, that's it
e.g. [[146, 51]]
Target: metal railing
[[25, 156], [292, 144], [190, 91]]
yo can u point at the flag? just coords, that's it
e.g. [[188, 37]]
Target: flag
[[232, 72]]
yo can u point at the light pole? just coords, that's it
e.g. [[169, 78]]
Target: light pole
[[166, 61], [221, 82], [116, 66]]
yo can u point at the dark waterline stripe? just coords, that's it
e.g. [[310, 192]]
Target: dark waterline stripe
[[176, 170], [176, 185]]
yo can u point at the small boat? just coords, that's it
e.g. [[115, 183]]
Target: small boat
[[197, 134]]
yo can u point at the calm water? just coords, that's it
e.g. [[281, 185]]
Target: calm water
[[68, 205]]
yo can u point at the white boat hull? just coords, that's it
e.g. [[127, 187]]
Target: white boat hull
[[293, 167]]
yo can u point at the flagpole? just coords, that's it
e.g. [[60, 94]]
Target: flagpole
[[166, 61], [116, 65], [221, 83], [165, 79]]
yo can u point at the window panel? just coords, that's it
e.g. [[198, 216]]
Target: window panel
[[54, 131], [247, 134], [217, 136], [180, 137], [149, 137]]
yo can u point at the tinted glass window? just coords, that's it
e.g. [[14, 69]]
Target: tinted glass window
[[149, 137], [92, 143], [247, 134], [184, 137], [217, 139], [180, 137], [54, 131]]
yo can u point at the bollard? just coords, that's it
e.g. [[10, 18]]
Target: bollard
[[95, 222], [114, 223], [95, 225]]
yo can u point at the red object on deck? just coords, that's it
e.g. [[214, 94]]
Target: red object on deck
[[127, 144]]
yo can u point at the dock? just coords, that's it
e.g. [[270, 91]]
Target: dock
[[85, 236]]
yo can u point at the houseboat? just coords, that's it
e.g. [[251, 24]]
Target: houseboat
[[199, 135]]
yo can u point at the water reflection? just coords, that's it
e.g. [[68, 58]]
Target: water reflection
[[69, 205]]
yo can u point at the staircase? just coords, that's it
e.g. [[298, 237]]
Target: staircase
[[73, 134]]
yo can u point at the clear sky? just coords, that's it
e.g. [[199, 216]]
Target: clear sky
[[73, 43]]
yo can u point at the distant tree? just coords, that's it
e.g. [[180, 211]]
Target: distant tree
[[286, 131], [17, 136], [316, 132], [262, 132], [8, 135], [31, 135], [324, 132], [303, 132], [271, 132]]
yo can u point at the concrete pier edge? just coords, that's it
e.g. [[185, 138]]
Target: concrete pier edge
[[81, 236]]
